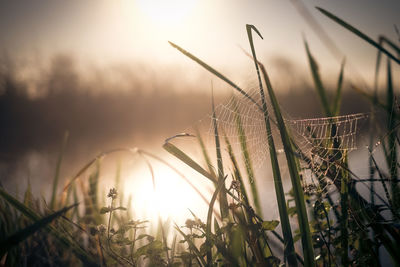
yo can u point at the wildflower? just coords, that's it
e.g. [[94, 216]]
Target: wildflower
[[101, 228], [113, 193]]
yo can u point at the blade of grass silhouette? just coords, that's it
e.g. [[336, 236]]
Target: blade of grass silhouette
[[338, 95], [181, 175], [391, 157], [57, 174], [358, 33], [223, 202], [294, 175], [172, 149], [193, 247], [286, 229], [318, 82], [246, 157], [384, 40], [216, 73], [220, 185], [236, 170], [344, 219], [31, 214], [205, 153], [23, 234]]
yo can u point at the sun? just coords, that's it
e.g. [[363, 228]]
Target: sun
[[171, 198], [166, 12]]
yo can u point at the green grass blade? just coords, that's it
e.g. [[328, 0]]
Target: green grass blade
[[223, 202], [236, 171], [247, 159], [93, 187], [338, 95], [26, 211], [306, 239], [280, 195], [215, 72], [205, 153], [22, 234], [344, 220], [221, 184], [57, 174], [392, 146], [192, 247], [359, 34], [384, 39], [172, 149], [318, 82]]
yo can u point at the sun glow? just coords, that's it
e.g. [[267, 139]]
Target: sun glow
[[166, 12], [171, 198]]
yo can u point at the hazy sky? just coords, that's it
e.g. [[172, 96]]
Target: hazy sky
[[126, 30]]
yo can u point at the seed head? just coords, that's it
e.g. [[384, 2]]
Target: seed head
[[113, 193]]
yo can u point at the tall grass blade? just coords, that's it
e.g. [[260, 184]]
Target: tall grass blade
[[247, 159], [289, 251], [338, 95], [236, 171], [205, 153], [392, 146], [223, 202], [344, 219], [215, 72], [57, 174], [23, 234], [220, 185], [306, 239], [318, 82], [359, 34]]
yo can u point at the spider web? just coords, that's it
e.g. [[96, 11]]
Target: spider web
[[241, 122], [322, 142]]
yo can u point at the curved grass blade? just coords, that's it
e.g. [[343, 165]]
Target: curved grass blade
[[213, 71], [358, 33], [172, 149], [22, 234]]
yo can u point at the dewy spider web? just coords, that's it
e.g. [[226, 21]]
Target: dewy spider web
[[323, 141], [323, 144], [240, 119]]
